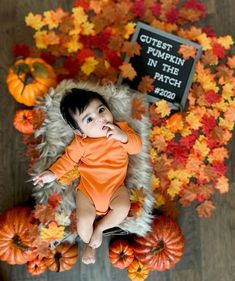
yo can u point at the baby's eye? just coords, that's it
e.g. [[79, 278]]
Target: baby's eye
[[89, 119], [101, 109]]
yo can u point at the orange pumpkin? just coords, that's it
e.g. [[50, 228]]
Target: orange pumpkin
[[175, 122], [36, 266], [23, 121], [62, 258], [137, 271], [161, 248], [30, 78], [121, 254], [14, 243]]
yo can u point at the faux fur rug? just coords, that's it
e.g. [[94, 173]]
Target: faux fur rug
[[56, 135]]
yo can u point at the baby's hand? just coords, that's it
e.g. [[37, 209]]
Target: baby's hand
[[116, 133], [44, 177]]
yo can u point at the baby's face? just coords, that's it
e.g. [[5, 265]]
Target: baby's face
[[93, 119]]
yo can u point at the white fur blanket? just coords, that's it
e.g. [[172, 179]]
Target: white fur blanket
[[56, 135]]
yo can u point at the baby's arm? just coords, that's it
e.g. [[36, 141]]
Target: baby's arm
[[127, 136], [63, 164]]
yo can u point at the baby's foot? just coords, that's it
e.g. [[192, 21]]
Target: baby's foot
[[88, 255], [96, 238]]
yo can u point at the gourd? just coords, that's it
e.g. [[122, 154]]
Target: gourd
[[15, 243], [30, 78], [121, 254], [62, 258], [137, 271], [161, 248], [23, 121]]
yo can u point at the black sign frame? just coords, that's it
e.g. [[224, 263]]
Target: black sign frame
[[166, 43]]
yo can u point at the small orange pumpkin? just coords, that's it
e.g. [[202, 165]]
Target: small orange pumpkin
[[161, 248], [121, 254], [36, 266], [23, 121], [137, 271], [30, 78], [62, 258], [175, 122], [15, 244]]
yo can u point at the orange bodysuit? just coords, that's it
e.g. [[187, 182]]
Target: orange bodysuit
[[102, 164]]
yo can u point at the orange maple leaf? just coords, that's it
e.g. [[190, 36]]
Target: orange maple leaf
[[146, 84], [38, 118], [44, 213], [127, 71], [138, 108], [187, 51], [222, 184], [231, 62], [205, 209], [131, 48]]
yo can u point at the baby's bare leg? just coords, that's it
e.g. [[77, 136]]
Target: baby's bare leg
[[120, 206], [86, 215]]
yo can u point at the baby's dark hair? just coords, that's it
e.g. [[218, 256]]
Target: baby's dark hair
[[77, 100]]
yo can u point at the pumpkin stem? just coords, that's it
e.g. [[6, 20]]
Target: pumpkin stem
[[28, 80], [159, 247], [58, 256], [16, 241]]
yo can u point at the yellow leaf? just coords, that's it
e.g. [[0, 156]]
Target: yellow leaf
[[228, 92], [73, 45], [79, 15], [163, 108], [193, 121], [180, 175], [34, 21], [51, 19], [226, 123], [159, 200], [174, 188], [137, 195], [129, 29], [87, 28], [201, 147], [40, 39], [155, 182], [204, 41], [222, 184], [52, 232], [89, 65], [225, 41]]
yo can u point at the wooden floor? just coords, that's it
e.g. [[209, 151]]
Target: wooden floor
[[210, 243]]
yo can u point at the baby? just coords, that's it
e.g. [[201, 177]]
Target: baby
[[100, 148]]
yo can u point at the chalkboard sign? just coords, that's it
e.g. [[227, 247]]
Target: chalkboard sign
[[160, 59]]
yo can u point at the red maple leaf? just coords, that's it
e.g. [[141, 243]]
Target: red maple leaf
[[209, 123], [83, 54], [54, 199], [47, 57], [195, 5], [113, 58], [156, 9], [101, 40], [178, 152], [212, 97], [172, 15], [82, 3], [219, 168], [21, 50], [209, 32], [218, 50], [72, 65], [189, 141], [138, 8]]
